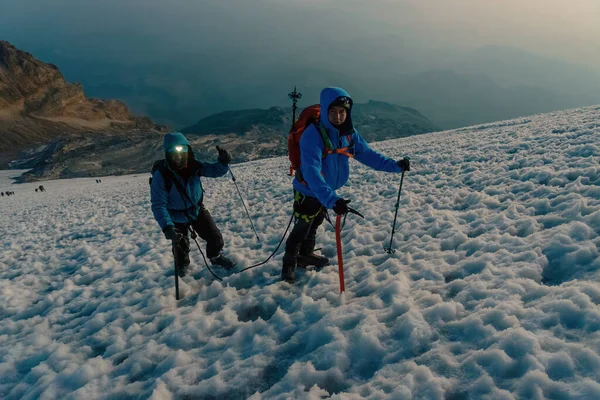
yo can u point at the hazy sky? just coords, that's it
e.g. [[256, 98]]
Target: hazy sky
[[566, 29], [178, 60]]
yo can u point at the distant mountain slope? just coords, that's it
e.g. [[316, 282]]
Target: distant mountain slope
[[375, 120], [241, 121], [248, 134]]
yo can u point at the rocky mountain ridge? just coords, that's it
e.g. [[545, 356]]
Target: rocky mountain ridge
[[37, 105], [49, 126]]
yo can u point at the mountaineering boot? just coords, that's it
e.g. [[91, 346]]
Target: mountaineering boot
[[222, 261], [182, 270], [313, 259], [288, 272], [183, 267]]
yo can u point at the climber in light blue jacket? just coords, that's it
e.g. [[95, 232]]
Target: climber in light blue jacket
[[325, 151]]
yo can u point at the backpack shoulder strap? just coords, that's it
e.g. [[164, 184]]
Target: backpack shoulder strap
[[324, 136], [350, 138], [329, 149], [168, 174], [157, 165], [161, 166]]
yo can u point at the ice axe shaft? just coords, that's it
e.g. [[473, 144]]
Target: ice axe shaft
[[338, 242]]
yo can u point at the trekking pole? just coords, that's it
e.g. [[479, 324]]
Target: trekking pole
[[338, 242], [244, 204], [389, 249], [176, 271], [176, 281]]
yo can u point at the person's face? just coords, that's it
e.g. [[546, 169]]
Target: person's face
[[178, 157], [337, 115]]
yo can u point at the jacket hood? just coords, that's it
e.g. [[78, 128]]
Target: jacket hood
[[175, 139], [328, 96]]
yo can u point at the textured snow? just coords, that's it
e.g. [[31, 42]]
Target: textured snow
[[492, 293]]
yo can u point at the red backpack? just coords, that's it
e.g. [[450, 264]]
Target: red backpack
[[310, 115]]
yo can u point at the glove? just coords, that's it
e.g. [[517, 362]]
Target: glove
[[341, 206], [224, 156], [404, 164], [172, 234]]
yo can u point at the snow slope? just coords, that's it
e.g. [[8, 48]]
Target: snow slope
[[493, 292]]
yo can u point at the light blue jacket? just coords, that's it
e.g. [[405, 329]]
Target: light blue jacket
[[335, 168]]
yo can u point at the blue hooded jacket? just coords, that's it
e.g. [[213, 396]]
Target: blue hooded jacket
[[171, 207], [335, 168]]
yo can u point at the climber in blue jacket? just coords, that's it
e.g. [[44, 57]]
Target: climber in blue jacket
[[176, 195], [325, 150]]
